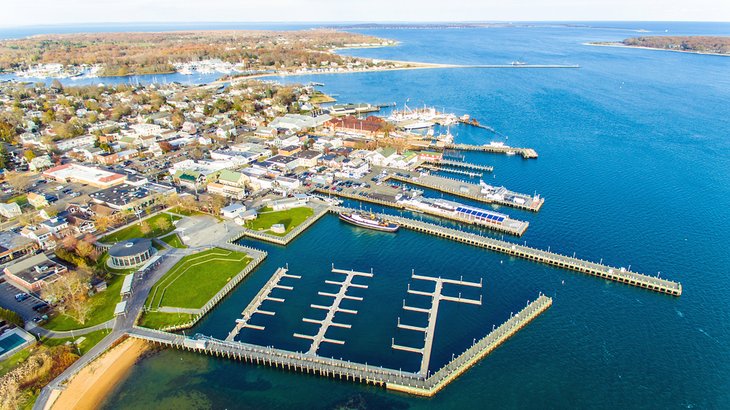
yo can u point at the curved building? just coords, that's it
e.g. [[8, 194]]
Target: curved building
[[130, 253]]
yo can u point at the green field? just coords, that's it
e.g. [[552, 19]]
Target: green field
[[174, 241], [104, 303], [158, 320], [196, 279], [133, 231], [91, 340], [291, 218], [14, 360]]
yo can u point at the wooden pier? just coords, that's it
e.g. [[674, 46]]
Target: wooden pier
[[600, 270], [263, 295], [461, 164], [527, 153], [392, 379], [438, 168], [495, 195], [333, 309], [430, 330]]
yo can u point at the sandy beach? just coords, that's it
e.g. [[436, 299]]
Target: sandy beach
[[89, 388]]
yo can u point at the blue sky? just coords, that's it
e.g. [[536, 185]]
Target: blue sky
[[37, 12]]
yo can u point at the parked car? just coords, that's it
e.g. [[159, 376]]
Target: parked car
[[21, 297]]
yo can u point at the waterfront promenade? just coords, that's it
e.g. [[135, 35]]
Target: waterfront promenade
[[550, 258]]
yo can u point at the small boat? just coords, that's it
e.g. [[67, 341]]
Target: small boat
[[368, 220]]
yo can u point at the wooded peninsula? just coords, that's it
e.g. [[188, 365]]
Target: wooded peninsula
[[117, 54], [689, 44]]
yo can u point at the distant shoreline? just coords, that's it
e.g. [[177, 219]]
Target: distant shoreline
[[622, 45]]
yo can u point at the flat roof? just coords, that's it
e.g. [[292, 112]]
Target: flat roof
[[127, 284], [120, 308], [84, 174]]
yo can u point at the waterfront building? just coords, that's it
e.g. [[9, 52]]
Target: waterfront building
[[130, 253]]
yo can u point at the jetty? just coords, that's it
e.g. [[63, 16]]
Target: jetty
[[600, 270], [438, 168], [482, 192], [255, 306], [527, 153], [397, 380], [334, 308], [436, 298]]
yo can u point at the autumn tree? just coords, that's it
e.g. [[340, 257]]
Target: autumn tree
[[162, 224], [145, 228], [70, 291], [19, 182]]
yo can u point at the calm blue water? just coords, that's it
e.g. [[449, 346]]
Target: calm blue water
[[635, 168]]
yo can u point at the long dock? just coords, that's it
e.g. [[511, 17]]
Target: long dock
[[255, 304], [461, 164], [510, 226], [620, 275], [430, 330], [438, 168], [397, 380], [493, 195], [527, 153], [328, 321]]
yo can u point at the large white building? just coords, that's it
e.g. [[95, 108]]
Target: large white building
[[84, 175]]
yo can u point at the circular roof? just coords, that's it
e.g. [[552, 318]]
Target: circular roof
[[130, 247]]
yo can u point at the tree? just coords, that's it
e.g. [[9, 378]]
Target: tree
[[8, 132], [29, 155], [84, 249], [69, 242], [163, 224], [70, 291], [145, 228], [102, 222], [19, 182]]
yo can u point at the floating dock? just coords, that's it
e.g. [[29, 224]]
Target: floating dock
[[482, 193], [549, 258], [392, 379], [438, 168], [527, 153], [334, 308], [430, 330], [263, 295]]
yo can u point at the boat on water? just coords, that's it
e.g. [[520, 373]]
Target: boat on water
[[368, 220]]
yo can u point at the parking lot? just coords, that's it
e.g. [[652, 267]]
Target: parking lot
[[24, 308]]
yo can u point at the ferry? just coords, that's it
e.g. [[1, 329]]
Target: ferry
[[368, 220]]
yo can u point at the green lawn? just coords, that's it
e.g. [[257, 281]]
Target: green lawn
[[21, 200], [133, 231], [174, 241], [290, 218], [185, 212], [91, 340], [104, 304], [157, 320], [12, 361], [197, 278]]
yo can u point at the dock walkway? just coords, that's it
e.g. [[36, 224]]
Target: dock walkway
[[461, 164], [550, 258], [398, 380], [263, 295], [527, 153]]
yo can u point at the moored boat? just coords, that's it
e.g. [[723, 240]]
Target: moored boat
[[368, 220]]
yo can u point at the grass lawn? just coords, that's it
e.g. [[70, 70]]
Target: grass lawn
[[185, 212], [104, 303], [91, 340], [12, 361], [158, 320], [133, 231], [197, 278], [291, 218], [21, 200], [174, 241]]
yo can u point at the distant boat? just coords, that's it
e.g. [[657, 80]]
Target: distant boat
[[368, 220], [517, 63]]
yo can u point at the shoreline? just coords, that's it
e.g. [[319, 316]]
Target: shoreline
[[89, 388], [621, 45]]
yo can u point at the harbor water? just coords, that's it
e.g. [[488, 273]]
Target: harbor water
[[635, 167]]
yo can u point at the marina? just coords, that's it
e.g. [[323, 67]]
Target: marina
[[460, 164]]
